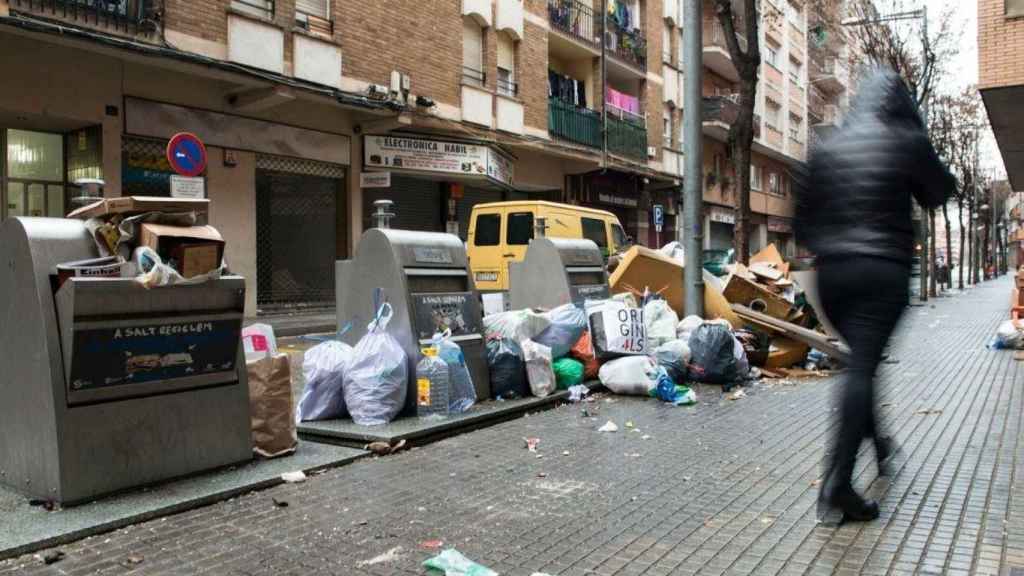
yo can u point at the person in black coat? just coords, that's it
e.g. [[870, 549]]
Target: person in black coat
[[854, 213]]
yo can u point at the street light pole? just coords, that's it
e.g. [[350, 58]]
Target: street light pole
[[693, 197]]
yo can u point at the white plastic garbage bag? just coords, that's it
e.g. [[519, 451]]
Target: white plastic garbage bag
[[515, 325], [462, 394], [377, 379], [323, 367], [258, 342], [687, 326], [660, 321], [538, 368], [675, 251], [616, 329], [630, 375], [1010, 334]]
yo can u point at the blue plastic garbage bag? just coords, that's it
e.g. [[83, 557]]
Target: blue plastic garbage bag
[[568, 322]]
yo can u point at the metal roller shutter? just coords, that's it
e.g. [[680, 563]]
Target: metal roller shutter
[[419, 204], [318, 8], [470, 198]]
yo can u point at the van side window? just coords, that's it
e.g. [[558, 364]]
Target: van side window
[[488, 230], [621, 240], [594, 229], [520, 228]]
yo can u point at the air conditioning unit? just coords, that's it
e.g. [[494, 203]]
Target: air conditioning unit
[[396, 82], [652, 151], [378, 92], [406, 83]]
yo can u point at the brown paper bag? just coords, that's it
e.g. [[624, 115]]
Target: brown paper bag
[[271, 406]]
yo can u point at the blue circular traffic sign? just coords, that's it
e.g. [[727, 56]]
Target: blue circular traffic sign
[[186, 154]]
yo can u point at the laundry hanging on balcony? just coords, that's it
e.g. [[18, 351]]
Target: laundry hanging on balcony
[[622, 101], [567, 89], [620, 13]]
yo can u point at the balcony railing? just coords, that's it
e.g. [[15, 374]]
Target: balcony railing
[[625, 115], [121, 15], [575, 19], [815, 104], [575, 124], [627, 45], [473, 77], [725, 110], [507, 87], [627, 138], [714, 35]]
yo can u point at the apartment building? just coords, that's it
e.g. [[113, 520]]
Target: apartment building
[[1001, 78], [830, 82], [468, 101]]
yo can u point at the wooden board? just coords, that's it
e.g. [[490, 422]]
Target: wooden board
[[739, 290], [787, 353], [835, 349]]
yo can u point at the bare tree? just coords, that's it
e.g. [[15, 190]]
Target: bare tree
[[739, 19]]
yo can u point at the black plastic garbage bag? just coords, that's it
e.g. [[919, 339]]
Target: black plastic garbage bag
[[711, 355], [507, 368]]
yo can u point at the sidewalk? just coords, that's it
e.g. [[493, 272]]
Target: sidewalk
[[721, 488]]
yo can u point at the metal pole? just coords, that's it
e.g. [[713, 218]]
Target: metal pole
[[603, 98], [693, 199], [926, 262]]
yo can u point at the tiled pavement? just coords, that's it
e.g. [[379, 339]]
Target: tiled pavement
[[721, 488]]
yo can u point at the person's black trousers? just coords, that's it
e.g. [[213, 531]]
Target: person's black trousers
[[864, 298]]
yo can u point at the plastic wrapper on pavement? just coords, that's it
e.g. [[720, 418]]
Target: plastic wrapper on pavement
[[516, 325], [462, 395], [323, 368], [631, 375], [713, 360], [377, 380], [583, 351], [270, 406], [507, 369], [568, 322], [451, 562], [674, 357], [568, 372], [660, 322], [539, 371]]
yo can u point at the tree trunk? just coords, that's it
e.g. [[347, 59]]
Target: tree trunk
[[961, 263], [741, 137], [948, 276], [933, 275], [972, 262]]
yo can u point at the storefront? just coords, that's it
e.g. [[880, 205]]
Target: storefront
[[780, 233], [721, 224], [434, 182], [618, 193]]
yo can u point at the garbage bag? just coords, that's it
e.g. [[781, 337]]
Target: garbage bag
[[674, 357], [583, 351], [616, 329], [433, 384], [675, 251], [323, 368], [451, 562], [507, 368], [377, 379], [1010, 335], [630, 375], [687, 326], [675, 394], [568, 322], [517, 325], [660, 321], [712, 348], [568, 372], [270, 406], [258, 341], [539, 372], [463, 394], [740, 354]]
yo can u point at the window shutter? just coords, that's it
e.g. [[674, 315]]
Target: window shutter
[[472, 45], [1014, 7], [506, 53], [318, 8]]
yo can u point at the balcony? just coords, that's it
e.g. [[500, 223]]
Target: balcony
[[579, 125], [815, 106], [830, 75], [716, 50], [627, 137], [124, 16], [509, 18], [575, 20], [478, 10], [628, 46], [719, 114]]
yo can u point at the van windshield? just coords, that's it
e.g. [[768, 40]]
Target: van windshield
[[619, 235]]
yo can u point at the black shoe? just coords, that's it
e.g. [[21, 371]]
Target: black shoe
[[885, 451], [845, 505]]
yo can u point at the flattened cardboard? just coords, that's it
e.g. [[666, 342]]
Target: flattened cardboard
[[140, 204]]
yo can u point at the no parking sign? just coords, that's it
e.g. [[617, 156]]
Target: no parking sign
[[186, 154]]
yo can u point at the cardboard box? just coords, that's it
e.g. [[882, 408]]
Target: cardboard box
[[140, 204], [109, 267], [194, 250]]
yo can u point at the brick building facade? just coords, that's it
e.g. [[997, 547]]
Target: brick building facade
[[296, 99], [1001, 78]]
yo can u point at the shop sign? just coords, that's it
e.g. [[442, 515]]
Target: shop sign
[[375, 180], [188, 187], [722, 215], [616, 200], [436, 156], [780, 226]]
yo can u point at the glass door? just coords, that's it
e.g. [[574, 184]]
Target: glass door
[[32, 178]]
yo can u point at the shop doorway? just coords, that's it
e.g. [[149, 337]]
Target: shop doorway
[[32, 175], [300, 231]]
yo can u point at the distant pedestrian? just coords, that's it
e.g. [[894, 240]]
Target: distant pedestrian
[[854, 213]]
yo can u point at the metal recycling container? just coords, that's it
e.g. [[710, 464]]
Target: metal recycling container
[[108, 385], [426, 278], [558, 271]]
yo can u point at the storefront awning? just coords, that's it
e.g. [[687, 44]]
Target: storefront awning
[[439, 159]]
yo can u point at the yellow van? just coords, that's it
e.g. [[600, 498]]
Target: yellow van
[[499, 233]]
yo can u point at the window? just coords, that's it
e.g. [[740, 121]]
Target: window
[[315, 8], [772, 56], [1014, 7], [488, 230], [795, 124], [679, 52], [507, 66], [594, 229], [755, 177], [259, 8], [774, 184], [473, 53], [772, 111], [666, 45], [667, 127], [520, 229], [620, 237]]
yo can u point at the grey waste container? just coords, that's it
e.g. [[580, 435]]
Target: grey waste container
[[558, 271], [107, 385]]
